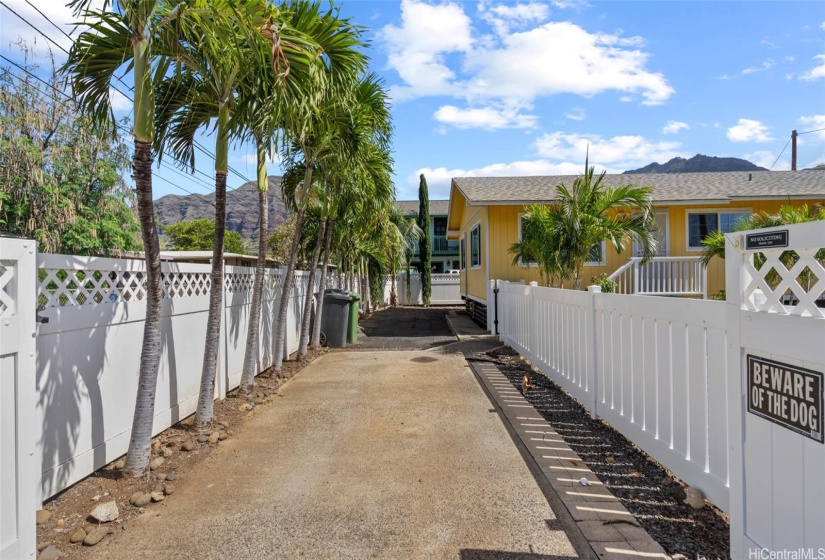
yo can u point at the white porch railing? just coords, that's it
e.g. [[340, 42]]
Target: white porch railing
[[662, 276]]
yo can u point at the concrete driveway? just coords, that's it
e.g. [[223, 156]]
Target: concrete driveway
[[367, 455]]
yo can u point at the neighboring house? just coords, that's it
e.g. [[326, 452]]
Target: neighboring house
[[444, 252], [484, 215]]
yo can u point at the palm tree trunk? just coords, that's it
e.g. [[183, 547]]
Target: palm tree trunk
[[206, 398], [286, 292], [316, 255], [319, 312], [137, 458], [250, 360]]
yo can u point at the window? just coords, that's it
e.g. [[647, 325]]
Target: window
[[596, 256], [701, 224], [475, 246], [521, 238], [463, 253], [440, 226]]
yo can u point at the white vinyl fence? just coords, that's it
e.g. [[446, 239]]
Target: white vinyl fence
[[654, 368], [775, 372], [19, 430], [729, 396], [446, 289], [89, 351]]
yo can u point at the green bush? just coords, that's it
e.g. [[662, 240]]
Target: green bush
[[608, 286]]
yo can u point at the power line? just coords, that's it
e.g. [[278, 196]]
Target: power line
[[780, 154], [131, 88], [809, 131], [70, 99]]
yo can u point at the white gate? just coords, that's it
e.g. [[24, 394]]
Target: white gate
[[776, 333], [19, 432]]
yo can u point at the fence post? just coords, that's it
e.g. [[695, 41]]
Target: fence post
[[734, 289], [533, 333], [594, 349]]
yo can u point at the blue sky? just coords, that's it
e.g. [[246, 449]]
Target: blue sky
[[506, 88]]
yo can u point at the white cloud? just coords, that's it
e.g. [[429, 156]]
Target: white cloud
[[504, 17], [119, 101], [576, 114], [417, 48], [13, 27], [436, 52], [561, 57], [814, 122], [822, 26], [748, 130], [558, 154], [487, 118], [817, 71], [766, 159], [438, 179], [618, 153], [674, 127], [767, 65]]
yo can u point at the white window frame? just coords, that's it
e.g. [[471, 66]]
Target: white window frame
[[718, 212], [520, 262], [602, 262], [477, 226]]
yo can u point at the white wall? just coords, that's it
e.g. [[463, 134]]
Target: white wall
[[446, 289], [88, 354]]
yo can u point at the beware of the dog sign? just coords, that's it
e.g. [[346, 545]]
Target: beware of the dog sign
[[787, 395]]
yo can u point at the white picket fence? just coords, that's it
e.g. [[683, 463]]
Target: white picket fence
[[654, 368], [89, 351], [446, 289]]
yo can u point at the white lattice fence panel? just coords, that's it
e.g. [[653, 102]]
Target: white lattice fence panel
[[7, 305], [66, 281], [786, 281], [236, 281]]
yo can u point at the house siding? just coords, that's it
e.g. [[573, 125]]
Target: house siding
[[503, 232]]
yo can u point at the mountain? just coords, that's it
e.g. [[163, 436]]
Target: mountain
[[698, 163], [241, 208]]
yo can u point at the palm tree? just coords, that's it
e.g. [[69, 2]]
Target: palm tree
[[714, 242], [562, 236], [138, 36], [222, 46]]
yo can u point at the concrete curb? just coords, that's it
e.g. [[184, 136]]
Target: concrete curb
[[600, 520]]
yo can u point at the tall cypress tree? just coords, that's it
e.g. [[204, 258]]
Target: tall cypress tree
[[424, 243]]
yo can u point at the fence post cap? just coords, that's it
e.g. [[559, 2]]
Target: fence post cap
[[594, 289], [534, 283]]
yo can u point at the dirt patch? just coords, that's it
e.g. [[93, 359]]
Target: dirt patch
[[71, 508]]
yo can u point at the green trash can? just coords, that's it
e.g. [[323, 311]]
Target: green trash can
[[352, 333]]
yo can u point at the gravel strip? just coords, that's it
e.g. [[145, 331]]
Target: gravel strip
[[648, 490]]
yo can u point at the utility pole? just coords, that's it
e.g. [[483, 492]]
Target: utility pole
[[793, 150]]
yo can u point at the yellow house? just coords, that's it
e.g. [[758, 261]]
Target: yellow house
[[484, 215]]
